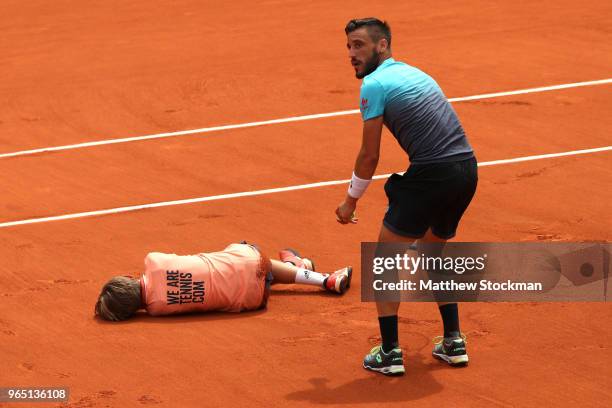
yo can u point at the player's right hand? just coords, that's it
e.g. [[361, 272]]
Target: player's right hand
[[345, 213]]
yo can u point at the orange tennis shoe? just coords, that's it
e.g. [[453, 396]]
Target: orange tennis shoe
[[293, 257], [339, 281]]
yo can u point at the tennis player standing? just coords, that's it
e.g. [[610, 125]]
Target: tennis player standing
[[427, 202]]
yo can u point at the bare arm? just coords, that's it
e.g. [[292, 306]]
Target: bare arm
[[367, 159], [365, 165]]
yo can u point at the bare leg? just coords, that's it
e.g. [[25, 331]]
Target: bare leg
[[450, 314], [337, 282], [390, 308], [283, 272], [430, 237]]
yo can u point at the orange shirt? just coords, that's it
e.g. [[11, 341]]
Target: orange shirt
[[232, 280]]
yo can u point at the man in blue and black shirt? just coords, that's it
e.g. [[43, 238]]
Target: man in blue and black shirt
[[427, 202]]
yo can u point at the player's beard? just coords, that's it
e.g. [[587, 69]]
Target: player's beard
[[370, 65]]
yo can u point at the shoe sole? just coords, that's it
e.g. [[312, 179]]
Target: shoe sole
[[350, 276], [390, 371], [455, 361], [296, 253]]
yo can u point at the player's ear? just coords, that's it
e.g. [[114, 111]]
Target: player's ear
[[383, 45]]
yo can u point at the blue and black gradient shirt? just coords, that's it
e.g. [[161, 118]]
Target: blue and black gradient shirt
[[416, 111]]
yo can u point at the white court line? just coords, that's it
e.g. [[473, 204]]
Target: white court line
[[287, 120], [271, 191]]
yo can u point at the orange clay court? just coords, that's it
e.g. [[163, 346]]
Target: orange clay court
[[75, 72]]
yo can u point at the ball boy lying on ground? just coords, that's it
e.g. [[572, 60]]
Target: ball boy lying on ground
[[233, 280]]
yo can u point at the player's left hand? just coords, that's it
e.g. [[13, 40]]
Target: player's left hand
[[345, 213]]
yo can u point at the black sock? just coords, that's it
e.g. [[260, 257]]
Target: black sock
[[388, 332], [450, 318]]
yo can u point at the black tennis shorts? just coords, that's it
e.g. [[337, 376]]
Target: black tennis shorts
[[430, 196]]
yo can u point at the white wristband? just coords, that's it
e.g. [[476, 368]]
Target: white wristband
[[358, 186]]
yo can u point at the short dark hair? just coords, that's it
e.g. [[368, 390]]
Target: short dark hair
[[119, 299], [377, 29]]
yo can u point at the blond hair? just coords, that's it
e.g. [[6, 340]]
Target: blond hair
[[119, 299]]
